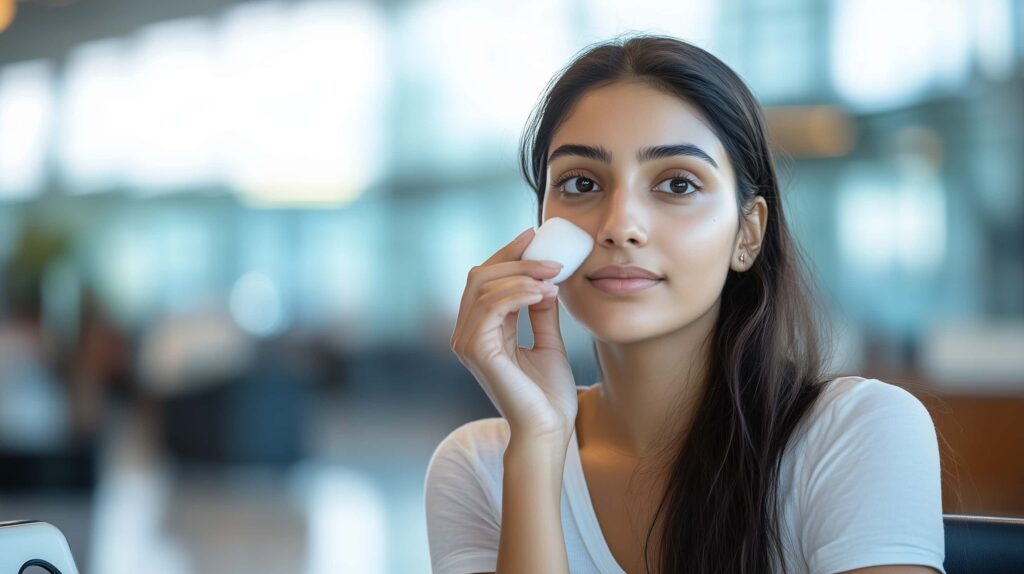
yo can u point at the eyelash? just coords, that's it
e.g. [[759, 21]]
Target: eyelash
[[557, 186]]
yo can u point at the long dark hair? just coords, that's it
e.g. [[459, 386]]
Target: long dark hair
[[767, 361]]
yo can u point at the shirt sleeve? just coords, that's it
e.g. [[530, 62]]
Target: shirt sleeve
[[872, 485], [463, 530]]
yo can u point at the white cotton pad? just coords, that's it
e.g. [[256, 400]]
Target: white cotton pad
[[562, 241]]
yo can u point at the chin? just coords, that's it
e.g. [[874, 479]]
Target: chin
[[618, 322]]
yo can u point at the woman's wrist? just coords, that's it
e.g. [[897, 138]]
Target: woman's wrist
[[546, 447], [532, 539], [537, 456]]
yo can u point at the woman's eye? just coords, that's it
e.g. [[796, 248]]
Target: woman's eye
[[679, 186], [578, 184], [581, 185]]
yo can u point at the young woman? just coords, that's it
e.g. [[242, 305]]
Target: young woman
[[714, 441]]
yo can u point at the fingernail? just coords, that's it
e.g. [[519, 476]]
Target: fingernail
[[552, 264]]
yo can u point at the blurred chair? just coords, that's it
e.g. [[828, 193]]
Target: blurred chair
[[33, 546], [983, 544], [257, 417]]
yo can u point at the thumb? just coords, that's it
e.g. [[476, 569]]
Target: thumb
[[547, 333]]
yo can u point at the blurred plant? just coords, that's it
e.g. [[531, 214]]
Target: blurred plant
[[22, 276]]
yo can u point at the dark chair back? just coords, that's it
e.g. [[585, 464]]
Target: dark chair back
[[983, 544]]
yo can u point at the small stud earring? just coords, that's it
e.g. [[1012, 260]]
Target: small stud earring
[[742, 257]]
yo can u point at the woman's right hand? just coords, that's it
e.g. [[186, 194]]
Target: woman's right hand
[[533, 389]]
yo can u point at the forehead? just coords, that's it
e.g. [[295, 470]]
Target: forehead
[[624, 117]]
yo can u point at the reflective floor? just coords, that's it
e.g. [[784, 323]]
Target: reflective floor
[[356, 506]]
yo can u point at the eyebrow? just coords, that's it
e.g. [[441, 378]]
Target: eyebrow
[[644, 154]]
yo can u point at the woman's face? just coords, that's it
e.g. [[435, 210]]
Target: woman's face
[[674, 215]]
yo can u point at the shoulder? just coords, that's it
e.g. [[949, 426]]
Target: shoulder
[[855, 396], [481, 438], [857, 417], [462, 497], [850, 403], [859, 426], [471, 454], [869, 481]]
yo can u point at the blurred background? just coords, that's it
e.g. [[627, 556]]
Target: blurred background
[[234, 237]]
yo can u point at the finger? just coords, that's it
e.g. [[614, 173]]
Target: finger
[[509, 328], [482, 275], [490, 292], [547, 333], [498, 290], [509, 282], [490, 315], [535, 270], [513, 250], [550, 300], [476, 289], [502, 287]]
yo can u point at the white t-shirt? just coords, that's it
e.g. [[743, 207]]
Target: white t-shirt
[[860, 486]]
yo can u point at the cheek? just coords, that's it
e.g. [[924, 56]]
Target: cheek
[[699, 249]]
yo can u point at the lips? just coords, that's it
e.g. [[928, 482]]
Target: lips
[[623, 272], [621, 286]]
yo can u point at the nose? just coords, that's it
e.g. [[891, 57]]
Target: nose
[[620, 226]]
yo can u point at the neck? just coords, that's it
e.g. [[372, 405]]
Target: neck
[[651, 389]]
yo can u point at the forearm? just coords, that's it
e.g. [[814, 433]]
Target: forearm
[[531, 524]]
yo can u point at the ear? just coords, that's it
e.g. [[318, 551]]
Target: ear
[[751, 233]]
